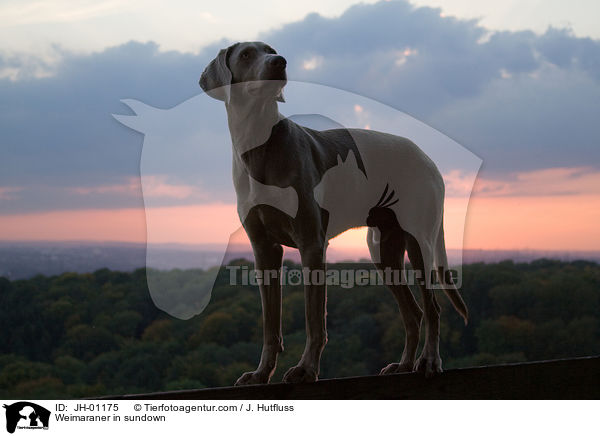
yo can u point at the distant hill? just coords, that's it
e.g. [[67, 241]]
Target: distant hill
[[21, 260]]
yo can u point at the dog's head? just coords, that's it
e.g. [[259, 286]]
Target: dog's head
[[255, 66]]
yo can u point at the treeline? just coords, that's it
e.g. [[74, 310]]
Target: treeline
[[81, 335]]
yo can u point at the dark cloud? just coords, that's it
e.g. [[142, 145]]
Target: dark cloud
[[515, 98], [561, 48], [512, 51], [520, 100], [545, 120], [59, 131], [362, 50], [363, 29]]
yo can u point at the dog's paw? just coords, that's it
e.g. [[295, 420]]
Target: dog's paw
[[252, 378], [397, 368], [300, 374], [429, 363]]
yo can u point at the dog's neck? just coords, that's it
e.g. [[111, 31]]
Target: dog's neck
[[251, 121]]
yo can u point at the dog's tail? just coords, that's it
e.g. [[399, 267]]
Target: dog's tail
[[449, 288]]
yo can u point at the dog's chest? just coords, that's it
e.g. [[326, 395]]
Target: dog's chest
[[281, 175]]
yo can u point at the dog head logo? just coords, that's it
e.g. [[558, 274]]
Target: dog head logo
[[26, 415], [186, 177]]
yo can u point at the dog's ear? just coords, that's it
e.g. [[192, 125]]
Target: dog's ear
[[216, 77], [280, 97]]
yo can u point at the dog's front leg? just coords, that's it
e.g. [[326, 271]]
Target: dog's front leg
[[268, 257], [315, 294]]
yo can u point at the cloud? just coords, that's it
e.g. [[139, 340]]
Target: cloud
[[528, 122], [155, 186], [7, 193], [458, 183], [125, 189], [519, 100], [546, 182], [58, 130], [522, 101], [18, 66], [312, 63], [54, 11], [560, 47], [159, 187]]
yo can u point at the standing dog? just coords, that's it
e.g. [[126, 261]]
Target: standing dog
[[300, 187]]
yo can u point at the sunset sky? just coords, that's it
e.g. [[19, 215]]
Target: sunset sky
[[520, 88]]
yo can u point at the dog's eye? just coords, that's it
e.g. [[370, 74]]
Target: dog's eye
[[245, 55]]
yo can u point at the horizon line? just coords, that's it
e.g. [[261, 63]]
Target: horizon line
[[208, 245]]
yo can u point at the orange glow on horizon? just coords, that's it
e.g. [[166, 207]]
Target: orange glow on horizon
[[567, 222]]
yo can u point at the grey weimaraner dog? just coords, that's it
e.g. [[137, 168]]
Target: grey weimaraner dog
[[300, 187]]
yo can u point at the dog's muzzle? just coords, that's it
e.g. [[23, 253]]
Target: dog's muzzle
[[277, 62], [275, 68]]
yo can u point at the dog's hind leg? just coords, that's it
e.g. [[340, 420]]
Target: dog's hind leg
[[268, 258], [387, 252], [429, 362]]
